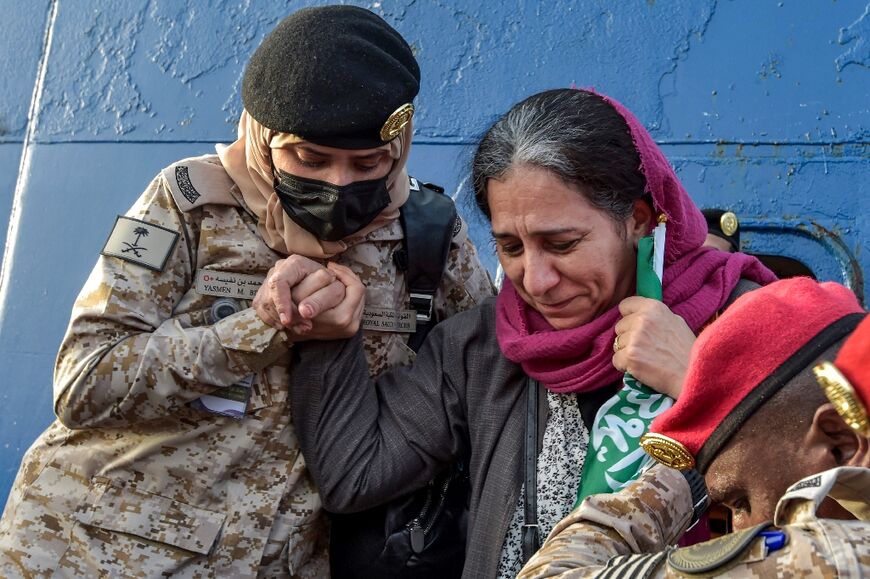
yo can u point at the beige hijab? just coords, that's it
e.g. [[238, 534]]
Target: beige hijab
[[248, 161]]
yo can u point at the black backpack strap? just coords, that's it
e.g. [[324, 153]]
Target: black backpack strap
[[427, 217]]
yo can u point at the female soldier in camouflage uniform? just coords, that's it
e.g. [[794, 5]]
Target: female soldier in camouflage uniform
[[173, 452]]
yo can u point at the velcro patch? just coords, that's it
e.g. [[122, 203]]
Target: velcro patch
[[636, 566], [811, 483], [139, 242], [388, 320], [182, 177], [199, 181], [210, 282], [460, 231]]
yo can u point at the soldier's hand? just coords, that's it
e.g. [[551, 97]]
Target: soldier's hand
[[316, 293], [654, 344], [274, 300], [332, 320]]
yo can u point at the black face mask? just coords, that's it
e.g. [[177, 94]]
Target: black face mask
[[331, 212]]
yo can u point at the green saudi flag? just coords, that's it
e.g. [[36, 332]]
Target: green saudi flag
[[614, 457]]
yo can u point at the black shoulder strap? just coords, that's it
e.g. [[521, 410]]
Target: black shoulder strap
[[531, 537], [743, 286], [427, 218]]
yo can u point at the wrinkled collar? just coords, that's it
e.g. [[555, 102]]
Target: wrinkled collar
[[849, 486]]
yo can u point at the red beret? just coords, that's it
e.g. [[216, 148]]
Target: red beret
[[743, 358], [847, 382]]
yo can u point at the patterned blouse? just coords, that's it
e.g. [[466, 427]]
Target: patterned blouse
[[560, 465]]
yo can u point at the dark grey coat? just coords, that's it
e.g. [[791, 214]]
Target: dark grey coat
[[366, 442]]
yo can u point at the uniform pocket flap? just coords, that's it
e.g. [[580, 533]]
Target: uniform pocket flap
[[126, 509]]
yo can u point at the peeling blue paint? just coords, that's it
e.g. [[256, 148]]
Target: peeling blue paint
[[857, 34], [21, 41], [769, 75], [142, 61], [770, 67]]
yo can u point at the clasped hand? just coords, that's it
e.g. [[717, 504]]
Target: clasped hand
[[653, 344], [310, 301]]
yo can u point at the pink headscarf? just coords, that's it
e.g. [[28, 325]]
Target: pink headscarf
[[697, 283]]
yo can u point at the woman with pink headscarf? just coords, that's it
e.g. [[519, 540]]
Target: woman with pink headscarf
[[571, 182]]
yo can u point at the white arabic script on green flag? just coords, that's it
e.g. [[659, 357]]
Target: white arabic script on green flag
[[614, 457]]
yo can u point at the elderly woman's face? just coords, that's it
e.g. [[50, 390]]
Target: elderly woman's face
[[336, 166], [566, 258]]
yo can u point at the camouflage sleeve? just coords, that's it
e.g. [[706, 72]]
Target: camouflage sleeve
[[635, 526], [125, 358], [465, 282]]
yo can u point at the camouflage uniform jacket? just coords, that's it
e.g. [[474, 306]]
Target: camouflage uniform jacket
[[133, 481], [628, 534]]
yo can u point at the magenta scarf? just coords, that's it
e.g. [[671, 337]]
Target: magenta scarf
[[697, 283]]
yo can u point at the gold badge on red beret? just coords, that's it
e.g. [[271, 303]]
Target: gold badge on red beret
[[396, 122], [667, 451], [842, 395]]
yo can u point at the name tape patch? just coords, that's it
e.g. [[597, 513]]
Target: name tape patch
[[210, 282], [389, 320], [140, 242], [812, 483]]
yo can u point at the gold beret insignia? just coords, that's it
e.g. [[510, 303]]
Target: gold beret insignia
[[396, 122], [667, 451], [842, 395], [728, 222]]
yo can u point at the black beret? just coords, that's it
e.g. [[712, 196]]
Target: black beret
[[723, 224], [332, 75]]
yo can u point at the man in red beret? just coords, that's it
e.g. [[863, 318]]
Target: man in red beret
[[779, 434]]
